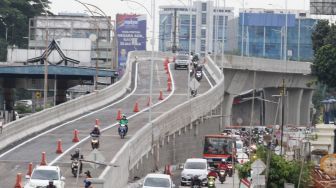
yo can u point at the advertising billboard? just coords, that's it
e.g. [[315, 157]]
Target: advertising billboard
[[131, 35]]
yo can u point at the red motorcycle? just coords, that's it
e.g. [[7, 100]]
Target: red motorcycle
[[222, 172]]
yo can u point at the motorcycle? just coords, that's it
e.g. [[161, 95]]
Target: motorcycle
[[75, 165], [196, 182], [94, 141], [198, 75], [211, 182], [122, 131], [193, 93]]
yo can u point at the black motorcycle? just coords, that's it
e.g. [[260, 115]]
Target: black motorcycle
[[94, 141], [196, 182], [122, 131], [75, 165], [198, 75]]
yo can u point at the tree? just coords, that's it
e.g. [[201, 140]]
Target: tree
[[324, 66], [321, 31], [280, 170], [14, 17]]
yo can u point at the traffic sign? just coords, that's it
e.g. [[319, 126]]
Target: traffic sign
[[258, 167], [38, 94], [194, 84], [96, 156]]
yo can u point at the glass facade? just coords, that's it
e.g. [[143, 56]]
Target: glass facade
[[183, 30], [265, 37], [218, 44]]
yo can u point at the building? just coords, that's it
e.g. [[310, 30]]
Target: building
[[68, 28], [206, 37], [264, 33]]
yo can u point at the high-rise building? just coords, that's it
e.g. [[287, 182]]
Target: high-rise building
[[264, 34], [78, 26], [208, 24]]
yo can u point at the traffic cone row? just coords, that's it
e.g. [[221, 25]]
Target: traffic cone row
[[30, 169], [161, 95]]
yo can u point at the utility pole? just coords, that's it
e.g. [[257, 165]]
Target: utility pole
[[282, 93]]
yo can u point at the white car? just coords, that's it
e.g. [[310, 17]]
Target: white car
[[158, 180], [194, 167], [41, 176]]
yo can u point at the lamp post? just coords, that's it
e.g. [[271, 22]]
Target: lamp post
[[242, 30], [45, 91], [6, 27]]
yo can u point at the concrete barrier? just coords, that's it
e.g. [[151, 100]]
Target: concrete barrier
[[17, 130], [149, 137]]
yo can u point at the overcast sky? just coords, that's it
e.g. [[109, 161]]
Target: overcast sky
[[112, 7]]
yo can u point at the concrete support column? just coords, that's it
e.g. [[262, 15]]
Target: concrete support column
[[227, 108], [292, 110], [306, 100], [61, 92], [270, 110]]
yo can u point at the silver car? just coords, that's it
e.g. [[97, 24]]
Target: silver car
[[181, 61]]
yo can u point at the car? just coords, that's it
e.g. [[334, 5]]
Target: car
[[158, 180], [25, 103], [194, 167], [240, 146], [42, 174], [181, 60]]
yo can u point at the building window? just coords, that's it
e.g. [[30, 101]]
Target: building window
[[204, 18], [203, 33], [204, 7], [203, 45]]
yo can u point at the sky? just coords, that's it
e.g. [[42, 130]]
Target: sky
[[112, 7]]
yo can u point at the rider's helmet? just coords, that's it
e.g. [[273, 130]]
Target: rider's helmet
[[77, 150], [51, 182], [124, 116], [96, 126]]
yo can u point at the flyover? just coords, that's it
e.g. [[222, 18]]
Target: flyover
[[147, 145]]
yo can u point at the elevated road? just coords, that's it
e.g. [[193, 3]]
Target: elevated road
[[17, 159]]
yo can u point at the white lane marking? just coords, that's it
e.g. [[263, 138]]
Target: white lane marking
[[125, 145], [46, 132], [110, 126], [207, 79]]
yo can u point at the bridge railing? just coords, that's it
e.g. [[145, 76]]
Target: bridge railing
[[168, 123], [263, 64], [19, 129]]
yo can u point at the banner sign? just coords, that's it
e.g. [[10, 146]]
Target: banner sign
[[131, 35]]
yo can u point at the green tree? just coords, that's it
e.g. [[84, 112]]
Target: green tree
[[14, 17], [318, 36], [280, 170], [324, 66]]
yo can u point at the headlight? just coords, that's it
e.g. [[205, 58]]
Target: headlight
[[221, 172]]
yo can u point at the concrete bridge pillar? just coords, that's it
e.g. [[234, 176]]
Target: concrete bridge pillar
[[305, 107], [227, 108], [293, 107], [272, 111], [61, 92]]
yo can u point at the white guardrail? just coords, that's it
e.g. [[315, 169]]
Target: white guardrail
[[19, 129], [166, 124]]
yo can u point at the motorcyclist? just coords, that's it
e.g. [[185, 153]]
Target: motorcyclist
[[196, 181], [76, 156], [95, 131], [223, 165], [51, 184], [212, 173], [124, 121]]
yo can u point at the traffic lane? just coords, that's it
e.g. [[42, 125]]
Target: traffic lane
[[230, 182], [31, 152]]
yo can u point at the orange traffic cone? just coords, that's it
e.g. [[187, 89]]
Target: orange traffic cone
[[148, 101], [43, 160], [97, 122], [59, 147], [119, 115], [161, 95], [165, 66], [75, 138], [169, 78], [30, 169], [169, 86], [18, 183], [167, 60], [136, 107]]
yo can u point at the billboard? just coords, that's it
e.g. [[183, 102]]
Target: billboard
[[323, 7], [131, 35]]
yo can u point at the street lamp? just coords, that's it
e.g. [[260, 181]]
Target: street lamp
[[6, 34], [45, 91]]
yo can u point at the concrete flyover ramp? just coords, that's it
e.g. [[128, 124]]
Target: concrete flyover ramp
[[50, 125]]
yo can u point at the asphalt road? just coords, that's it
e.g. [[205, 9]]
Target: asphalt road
[[17, 160]]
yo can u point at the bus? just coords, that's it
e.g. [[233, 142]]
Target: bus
[[218, 147]]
